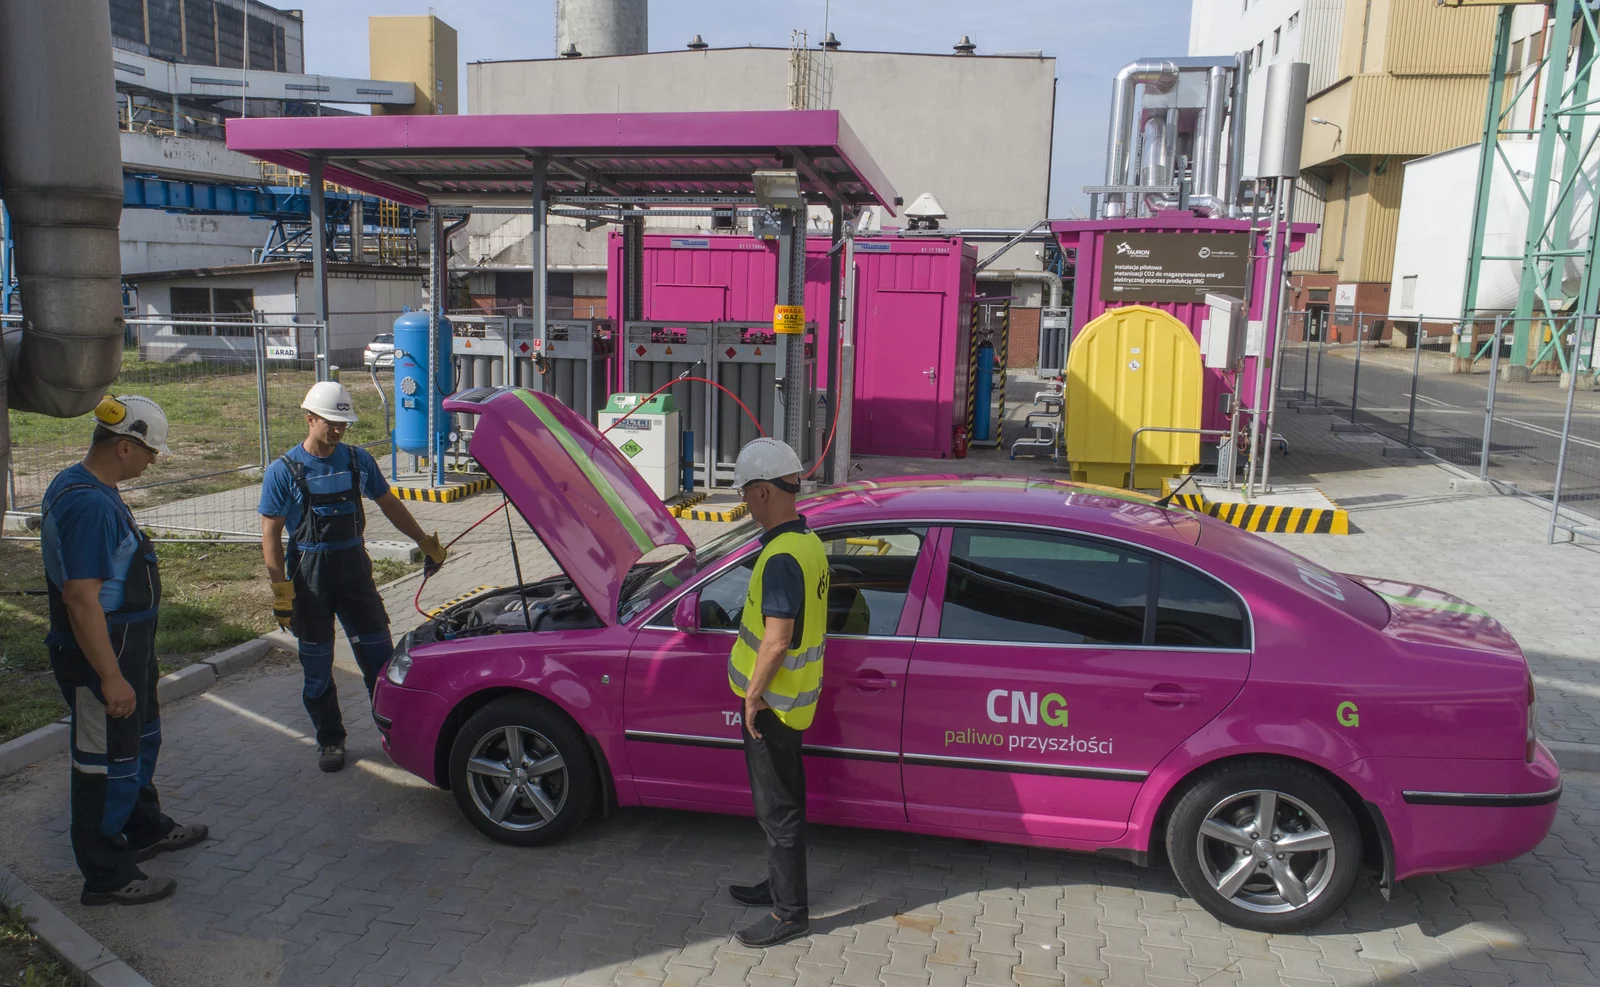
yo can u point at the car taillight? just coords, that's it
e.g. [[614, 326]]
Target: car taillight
[[1533, 736]]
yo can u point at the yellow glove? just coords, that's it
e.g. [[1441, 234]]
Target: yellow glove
[[434, 551], [283, 602]]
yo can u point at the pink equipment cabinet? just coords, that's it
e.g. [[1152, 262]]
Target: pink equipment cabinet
[[913, 318], [1085, 243]]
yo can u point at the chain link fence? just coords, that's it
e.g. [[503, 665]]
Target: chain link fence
[[231, 385], [1516, 402]]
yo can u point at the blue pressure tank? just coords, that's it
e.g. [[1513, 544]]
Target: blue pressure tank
[[411, 381], [982, 396]]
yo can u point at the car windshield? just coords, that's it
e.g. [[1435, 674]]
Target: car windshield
[[649, 581]]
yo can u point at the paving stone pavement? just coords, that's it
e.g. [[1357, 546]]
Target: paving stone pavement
[[370, 877]]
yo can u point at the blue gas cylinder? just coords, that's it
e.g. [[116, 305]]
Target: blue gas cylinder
[[411, 381], [982, 395]]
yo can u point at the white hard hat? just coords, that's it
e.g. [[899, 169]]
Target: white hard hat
[[139, 418], [765, 459], [331, 400]]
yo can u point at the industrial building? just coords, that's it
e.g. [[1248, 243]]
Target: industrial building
[[1373, 63], [906, 106]]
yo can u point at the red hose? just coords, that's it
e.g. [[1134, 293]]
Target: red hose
[[416, 601]]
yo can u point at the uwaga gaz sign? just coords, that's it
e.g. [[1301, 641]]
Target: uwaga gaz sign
[[1172, 267]]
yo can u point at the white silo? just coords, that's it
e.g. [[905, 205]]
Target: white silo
[[602, 27]]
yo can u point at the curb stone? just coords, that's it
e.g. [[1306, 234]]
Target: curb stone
[[80, 952], [36, 745]]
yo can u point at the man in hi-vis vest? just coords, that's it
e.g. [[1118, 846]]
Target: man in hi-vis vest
[[776, 666]]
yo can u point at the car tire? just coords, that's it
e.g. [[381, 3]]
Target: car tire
[[556, 788], [1219, 855]]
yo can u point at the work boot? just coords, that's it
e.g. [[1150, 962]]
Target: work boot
[[177, 839], [330, 757], [770, 930], [140, 891], [751, 894]]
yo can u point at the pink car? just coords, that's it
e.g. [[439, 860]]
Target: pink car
[[1029, 661]]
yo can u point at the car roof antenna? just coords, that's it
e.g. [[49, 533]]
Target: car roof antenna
[[1167, 499], [516, 563]]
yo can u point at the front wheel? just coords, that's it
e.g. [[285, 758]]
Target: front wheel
[[522, 772], [1268, 847]]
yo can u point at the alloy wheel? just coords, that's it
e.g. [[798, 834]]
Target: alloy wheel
[[517, 778], [1266, 851]]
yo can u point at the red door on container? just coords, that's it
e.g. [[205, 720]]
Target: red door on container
[[897, 372]]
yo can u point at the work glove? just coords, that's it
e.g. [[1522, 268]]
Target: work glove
[[435, 553], [283, 603]]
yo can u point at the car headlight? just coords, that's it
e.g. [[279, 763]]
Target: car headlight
[[399, 663]]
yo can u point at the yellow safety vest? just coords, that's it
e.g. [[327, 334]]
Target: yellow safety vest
[[794, 690]]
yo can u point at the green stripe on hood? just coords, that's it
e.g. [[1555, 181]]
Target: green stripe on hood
[[1444, 605], [602, 486]]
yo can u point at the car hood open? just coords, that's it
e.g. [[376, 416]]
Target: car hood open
[[579, 493]]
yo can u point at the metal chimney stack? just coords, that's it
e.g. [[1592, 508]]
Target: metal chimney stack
[[603, 27]]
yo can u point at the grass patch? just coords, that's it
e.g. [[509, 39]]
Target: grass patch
[[214, 413], [23, 959], [214, 596]]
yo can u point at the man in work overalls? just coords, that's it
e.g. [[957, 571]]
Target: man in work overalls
[[315, 492], [105, 591], [776, 668]]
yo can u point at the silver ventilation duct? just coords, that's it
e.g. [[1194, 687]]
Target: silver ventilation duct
[[61, 174], [1159, 75]]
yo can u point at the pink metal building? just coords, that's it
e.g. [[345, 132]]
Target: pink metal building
[[913, 316]]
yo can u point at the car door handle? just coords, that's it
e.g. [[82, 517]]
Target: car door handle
[[1172, 697], [871, 683]]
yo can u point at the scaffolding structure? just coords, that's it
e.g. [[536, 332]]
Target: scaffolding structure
[[1564, 143]]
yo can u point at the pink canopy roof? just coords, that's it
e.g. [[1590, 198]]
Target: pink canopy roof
[[418, 160]]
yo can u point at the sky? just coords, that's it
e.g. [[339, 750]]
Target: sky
[[1090, 40]]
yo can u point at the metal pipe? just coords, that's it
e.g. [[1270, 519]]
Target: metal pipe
[[1286, 186], [1416, 374], [1488, 412], [1236, 123], [1158, 74], [1208, 134], [61, 173], [1153, 159], [1018, 238], [1133, 453], [1275, 254], [1043, 277], [847, 362]]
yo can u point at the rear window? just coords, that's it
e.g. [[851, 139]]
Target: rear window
[[383, 339], [1315, 581]]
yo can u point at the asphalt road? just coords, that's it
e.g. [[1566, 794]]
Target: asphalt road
[[1449, 415]]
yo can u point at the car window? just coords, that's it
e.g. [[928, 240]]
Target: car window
[[383, 339], [1195, 611], [1033, 586], [722, 599], [870, 573], [666, 578]]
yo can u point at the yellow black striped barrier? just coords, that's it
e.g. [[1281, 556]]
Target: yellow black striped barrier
[[1275, 519], [444, 495], [460, 599], [732, 514], [683, 505]]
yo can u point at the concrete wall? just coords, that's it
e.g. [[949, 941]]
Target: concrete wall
[[153, 240], [187, 157], [973, 130]]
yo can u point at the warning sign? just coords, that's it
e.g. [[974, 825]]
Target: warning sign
[[631, 448], [788, 319]]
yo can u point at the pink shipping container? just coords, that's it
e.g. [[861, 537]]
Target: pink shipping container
[[913, 316], [1086, 240]]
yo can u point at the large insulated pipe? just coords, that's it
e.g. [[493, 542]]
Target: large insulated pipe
[[1237, 103], [61, 173], [1159, 75], [1283, 120], [1047, 278], [1208, 135]]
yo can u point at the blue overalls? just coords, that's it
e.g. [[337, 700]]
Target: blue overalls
[[332, 575], [115, 809]]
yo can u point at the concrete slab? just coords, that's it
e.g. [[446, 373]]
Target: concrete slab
[[1348, 427], [1472, 485], [1287, 495], [398, 551]]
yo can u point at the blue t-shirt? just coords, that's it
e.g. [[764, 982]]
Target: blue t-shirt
[[280, 495], [87, 534]]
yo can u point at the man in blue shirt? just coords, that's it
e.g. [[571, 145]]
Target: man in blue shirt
[[105, 591], [314, 492]]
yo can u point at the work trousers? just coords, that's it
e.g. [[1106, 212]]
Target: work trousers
[[778, 787], [329, 585], [115, 809]]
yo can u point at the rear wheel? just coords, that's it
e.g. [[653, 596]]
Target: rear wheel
[[1262, 846], [522, 772]]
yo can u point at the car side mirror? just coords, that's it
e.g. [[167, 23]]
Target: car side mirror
[[686, 615]]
